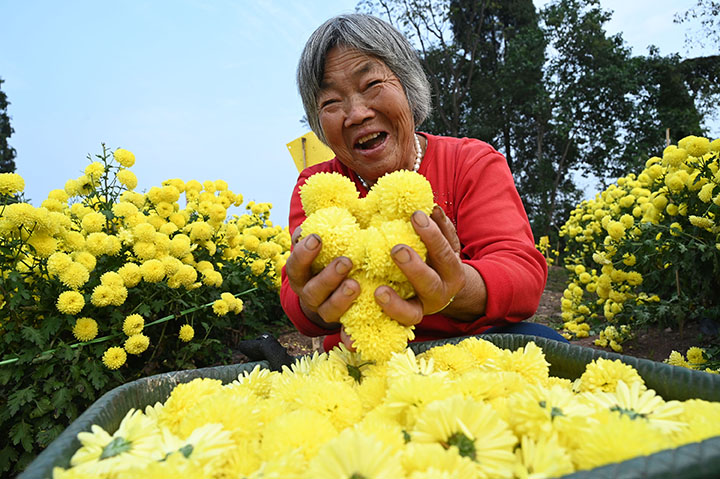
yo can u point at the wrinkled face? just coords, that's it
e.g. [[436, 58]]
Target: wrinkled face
[[365, 114]]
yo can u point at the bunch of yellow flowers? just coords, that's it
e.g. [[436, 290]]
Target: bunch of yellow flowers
[[637, 247], [105, 244], [697, 358], [365, 230], [467, 411]]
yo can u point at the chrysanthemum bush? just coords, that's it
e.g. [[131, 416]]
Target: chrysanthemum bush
[[101, 284], [465, 411], [647, 249]]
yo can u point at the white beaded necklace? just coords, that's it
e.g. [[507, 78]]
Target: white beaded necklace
[[416, 166]]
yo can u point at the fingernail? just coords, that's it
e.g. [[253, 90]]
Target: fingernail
[[421, 219], [342, 266], [383, 297], [312, 241], [401, 254], [347, 291], [437, 210]]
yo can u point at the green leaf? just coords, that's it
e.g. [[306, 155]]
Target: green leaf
[[21, 433], [31, 334], [42, 407], [96, 374], [45, 437], [19, 398], [8, 456], [61, 397]]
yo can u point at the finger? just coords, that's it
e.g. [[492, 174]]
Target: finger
[[441, 256], [407, 313], [446, 227], [296, 235], [431, 290], [320, 287], [347, 340], [298, 263], [332, 309]]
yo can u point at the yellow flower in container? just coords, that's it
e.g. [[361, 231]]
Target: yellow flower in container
[[473, 429], [137, 344], [114, 357], [354, 454], [85, 329]]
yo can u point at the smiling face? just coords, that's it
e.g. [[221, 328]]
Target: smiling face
[[365, 115]]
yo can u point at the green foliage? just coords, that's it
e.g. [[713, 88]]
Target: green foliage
[[191, 264]]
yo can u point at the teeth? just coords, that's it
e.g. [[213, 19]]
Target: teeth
[[368, 137]]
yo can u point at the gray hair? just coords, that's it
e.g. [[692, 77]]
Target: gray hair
[[371, 36]]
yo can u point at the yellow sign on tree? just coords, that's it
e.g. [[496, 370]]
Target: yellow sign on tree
[[308, 150]]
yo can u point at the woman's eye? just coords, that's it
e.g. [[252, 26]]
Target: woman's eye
[[327, 103], [373, 83]]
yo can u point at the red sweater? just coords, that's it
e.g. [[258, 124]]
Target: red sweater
[[472, 183]]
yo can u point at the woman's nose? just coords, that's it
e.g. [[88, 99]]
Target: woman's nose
[[357, 111]]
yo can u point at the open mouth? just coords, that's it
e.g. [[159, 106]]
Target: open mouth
[[370, 141]]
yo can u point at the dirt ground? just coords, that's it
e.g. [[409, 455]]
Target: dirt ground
[[655, 344]]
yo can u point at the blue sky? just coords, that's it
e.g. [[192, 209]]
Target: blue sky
[[196, 89]]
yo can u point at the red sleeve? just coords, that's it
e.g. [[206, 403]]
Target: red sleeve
[[496, 236]]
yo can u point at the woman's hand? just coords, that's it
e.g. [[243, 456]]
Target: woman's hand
[[326, 296], [443, 283]]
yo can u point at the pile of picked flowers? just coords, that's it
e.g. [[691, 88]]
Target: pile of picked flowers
[[471, 410]]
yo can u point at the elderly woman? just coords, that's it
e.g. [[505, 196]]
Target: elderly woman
[[364, 93]]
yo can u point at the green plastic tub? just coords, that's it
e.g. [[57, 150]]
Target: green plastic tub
[[692, 461]]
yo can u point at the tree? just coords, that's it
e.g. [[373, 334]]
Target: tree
[[708, 12], [7, 153], [551, 90]]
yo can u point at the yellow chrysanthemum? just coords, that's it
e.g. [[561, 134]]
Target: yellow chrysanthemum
[[74, 276], [639, 403], [472, 428], [696, 146], [303, 429], [183, 398], [133, 324], [137, 344], [323, 190], [355, 455], [124, 157], [338, 231], [186, 333], [70, 302], [604, 375], [85, 329], [598, 443], [114, 357], [400, 193], [11, 183]]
